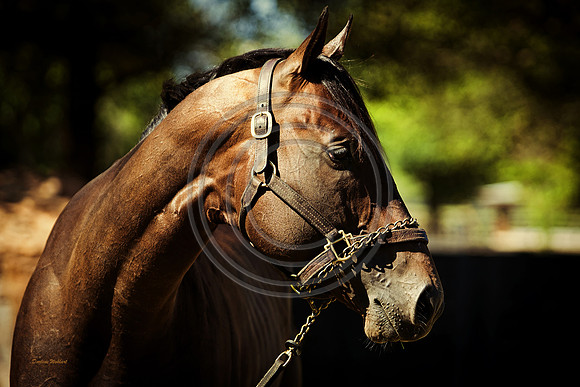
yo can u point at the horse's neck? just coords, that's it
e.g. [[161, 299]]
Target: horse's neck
[[235, 327], [127, 236]]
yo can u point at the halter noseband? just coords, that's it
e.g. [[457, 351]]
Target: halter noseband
[[340, 246]]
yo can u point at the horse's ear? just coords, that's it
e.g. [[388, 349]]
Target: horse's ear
[[335, 48], [311, 47]]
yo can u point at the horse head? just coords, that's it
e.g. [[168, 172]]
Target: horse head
[[307, 170]]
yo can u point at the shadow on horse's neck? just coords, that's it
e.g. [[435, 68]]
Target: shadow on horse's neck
[[221, 312]]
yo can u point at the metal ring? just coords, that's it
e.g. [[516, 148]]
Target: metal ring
[[293, 346], [274, 169], [288, 353]]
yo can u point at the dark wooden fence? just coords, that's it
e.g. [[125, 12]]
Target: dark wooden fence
[[508, 320]]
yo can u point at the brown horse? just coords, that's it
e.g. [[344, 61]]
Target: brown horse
[[148, 276]]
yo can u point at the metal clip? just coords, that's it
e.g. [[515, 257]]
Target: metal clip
[[267, 125], [296, 285], [331, 246]]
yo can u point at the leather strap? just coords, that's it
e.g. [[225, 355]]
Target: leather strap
[[261, 128], [312, 268], [405, 235], [292, 198], [263, 101], [297, 202], [276, 369], [263, 120], [249, 196]]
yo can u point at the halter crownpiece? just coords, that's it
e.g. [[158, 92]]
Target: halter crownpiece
[[263, 120]]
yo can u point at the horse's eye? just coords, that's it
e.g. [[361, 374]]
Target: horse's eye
[[338, 153]]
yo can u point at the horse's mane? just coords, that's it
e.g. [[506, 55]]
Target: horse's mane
[[329, 72]]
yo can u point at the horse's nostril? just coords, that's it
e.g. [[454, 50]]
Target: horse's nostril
[[428, 304]]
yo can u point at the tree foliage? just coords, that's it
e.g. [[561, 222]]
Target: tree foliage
[[469, 92], [462, 92], [67, 60]]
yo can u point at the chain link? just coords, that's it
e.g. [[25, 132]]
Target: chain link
[[311, 319], [355, 243], [370, 238], [295, 346]]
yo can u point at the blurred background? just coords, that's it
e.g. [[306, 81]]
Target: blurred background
[[477, 105]]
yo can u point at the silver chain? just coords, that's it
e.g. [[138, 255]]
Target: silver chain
[[354, 244], [364, 240]]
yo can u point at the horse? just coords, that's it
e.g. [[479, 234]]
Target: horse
[[178, 263]]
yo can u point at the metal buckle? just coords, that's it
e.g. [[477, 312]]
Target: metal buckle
[[269, 124], [331, 246]]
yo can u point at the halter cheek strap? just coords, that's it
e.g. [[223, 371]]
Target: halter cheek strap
[[261, 128], [263, 120]]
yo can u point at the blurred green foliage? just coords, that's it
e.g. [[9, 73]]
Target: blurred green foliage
[[463, 93]]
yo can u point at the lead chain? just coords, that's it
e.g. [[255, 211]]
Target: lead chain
[[295, 346], [372, 237], [357, 243]]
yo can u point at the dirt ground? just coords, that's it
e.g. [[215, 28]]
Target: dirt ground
[[29, 206]]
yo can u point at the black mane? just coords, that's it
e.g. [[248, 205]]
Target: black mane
[[173, 93], [330, 73]]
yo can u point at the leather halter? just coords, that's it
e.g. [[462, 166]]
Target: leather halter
[[261, 128], [340, 246]]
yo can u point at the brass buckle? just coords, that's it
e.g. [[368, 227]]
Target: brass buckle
[[269, 123], [345, 238]]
